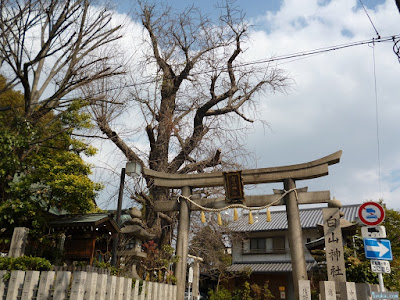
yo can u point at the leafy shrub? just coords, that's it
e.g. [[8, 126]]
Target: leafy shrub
[[24, 263], [220, 294], [106, 265], [244, 292]]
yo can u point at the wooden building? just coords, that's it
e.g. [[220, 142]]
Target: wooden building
[[85, 237]]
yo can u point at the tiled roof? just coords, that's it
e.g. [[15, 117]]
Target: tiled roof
[[278, 267], [309, 218], [85, 220], [77, 219]]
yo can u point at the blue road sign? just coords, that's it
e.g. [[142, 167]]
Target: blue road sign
[[378, 249]]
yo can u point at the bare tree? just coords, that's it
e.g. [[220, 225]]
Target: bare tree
[[51, 48], [195, 94]]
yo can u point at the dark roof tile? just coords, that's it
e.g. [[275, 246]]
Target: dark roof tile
[[277, 267], [309, 218]]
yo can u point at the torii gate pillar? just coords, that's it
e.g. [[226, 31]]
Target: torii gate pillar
[[296, 244], [182, 243]]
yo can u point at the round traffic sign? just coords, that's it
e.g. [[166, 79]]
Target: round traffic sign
[[371, 213]]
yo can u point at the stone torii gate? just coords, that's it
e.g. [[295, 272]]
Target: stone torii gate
[[288, 175]]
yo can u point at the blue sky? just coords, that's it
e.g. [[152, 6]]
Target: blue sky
[[252, 8], [331, 105]]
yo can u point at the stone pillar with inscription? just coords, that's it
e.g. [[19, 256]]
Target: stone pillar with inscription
[[334, 246], [18, 242], [304, 290], [348, 291], [328, 290]]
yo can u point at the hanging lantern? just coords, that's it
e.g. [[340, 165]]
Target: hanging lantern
[[202, 217], [235, 214], [219, 219], [268, 215], [250, 218]]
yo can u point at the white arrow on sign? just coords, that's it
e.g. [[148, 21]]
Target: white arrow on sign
[[382, 249]]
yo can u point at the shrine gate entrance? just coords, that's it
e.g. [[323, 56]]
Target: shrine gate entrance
[[290, 196]]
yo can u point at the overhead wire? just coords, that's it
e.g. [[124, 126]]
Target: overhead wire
[[377, 121], [302, 54], [372, 23], [376, 100]]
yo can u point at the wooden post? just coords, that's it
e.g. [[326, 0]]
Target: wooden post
[[78, 286], [114, 256], [127, 288], [182, 244], [328, 290], [101, 289], [18, 242], [30, 284], [143, 293], [119, 288], [61, 285], [196, 276], [348, 291], [150, 289], [304, 290], [363, 291], [169, 292], [136, 289], [45, 283], [111, 286], [91, 286], [155, 291], [2, 284], [296, 242], [15, 284], [174, 292]]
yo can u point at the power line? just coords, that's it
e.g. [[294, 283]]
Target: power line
[[303, 54], [377, 122], [366, 12]]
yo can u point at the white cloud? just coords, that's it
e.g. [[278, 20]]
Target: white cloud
[[332, 104]]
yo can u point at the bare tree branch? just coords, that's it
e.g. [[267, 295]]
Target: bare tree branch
[[193, 92], [65, 57]]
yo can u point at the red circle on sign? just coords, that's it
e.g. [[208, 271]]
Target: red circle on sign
[[365, 220]]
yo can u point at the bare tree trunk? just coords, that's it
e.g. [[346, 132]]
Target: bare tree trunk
[[187, 105]]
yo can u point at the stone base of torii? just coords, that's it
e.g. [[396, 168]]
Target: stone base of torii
[[288, 175]]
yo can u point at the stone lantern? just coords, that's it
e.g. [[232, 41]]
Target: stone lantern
[[134, 233]]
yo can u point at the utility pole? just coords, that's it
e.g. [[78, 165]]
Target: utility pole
[[118, 218]]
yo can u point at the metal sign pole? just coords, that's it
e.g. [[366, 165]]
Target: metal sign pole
[[190, 280], [381, 286], [372, 214]]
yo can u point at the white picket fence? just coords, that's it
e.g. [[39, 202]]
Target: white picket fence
[[80, 285]]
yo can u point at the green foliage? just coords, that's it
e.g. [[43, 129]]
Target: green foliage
[[220, 294], [106, 265], [358, 268], [261, 292], [24, 263], [245, 292], [392, 225], [40, 164], [157, 262]]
